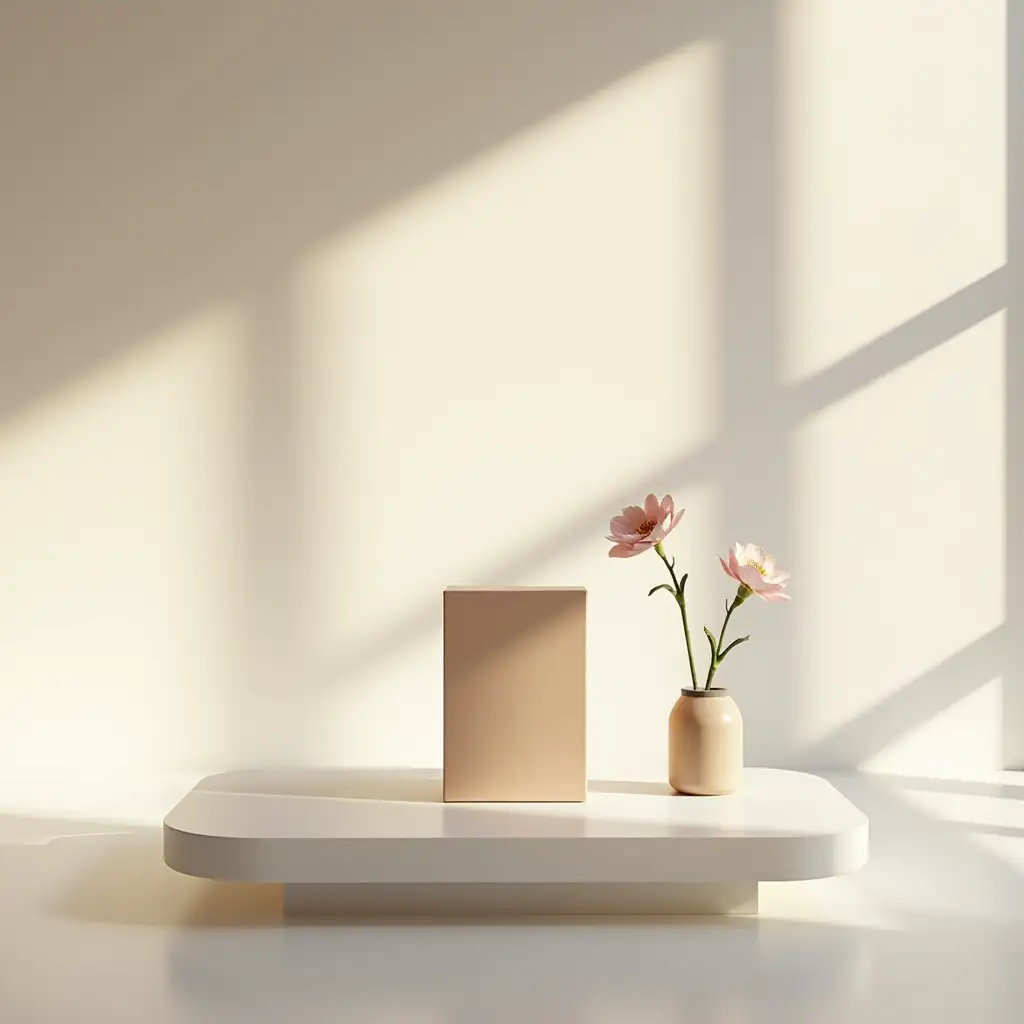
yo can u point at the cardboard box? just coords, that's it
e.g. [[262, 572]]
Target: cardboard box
[[515, 711]]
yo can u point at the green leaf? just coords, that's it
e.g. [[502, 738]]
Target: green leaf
[[660, 586], [735, 643], [711, 640]]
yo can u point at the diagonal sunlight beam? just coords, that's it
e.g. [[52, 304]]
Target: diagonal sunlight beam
[[698, 465], [913, 704], [898, 826], [751, 235], [956, 787], [65, 295], [987, 829], [914, 337], [887, 353]]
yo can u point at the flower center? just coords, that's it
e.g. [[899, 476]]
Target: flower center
[[646, 527], [758, 566]]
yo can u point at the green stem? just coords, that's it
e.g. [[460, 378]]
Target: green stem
[[718, 654], [681, 601]]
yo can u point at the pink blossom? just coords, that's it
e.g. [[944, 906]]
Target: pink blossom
[[638, 529], [749, 566]]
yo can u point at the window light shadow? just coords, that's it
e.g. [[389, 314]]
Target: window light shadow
[[912, 705], [127, 207]]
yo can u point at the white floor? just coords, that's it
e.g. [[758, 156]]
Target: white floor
[[94, 928]]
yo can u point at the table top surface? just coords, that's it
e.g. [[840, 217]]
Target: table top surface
[[365, 826], [394, 804]]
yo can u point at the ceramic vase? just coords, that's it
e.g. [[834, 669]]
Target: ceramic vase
[[705, 743]]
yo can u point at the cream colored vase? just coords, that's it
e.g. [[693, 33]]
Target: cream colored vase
[[705, 743]]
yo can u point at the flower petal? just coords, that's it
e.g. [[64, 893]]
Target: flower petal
[[652, 508], [778, 596], [635, 515], [623, 551], [728, 571], [672, 523], [752, 578], [630, 538], [620, 524], [734, 562], [754, 554], [657, 535]]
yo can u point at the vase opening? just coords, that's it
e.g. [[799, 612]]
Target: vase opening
[[715, 691]]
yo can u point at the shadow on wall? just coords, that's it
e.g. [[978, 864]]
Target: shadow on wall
[[1013, 682], [914, 703], [178, 157], [181, 155]]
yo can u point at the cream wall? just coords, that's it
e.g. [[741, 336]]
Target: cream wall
[[312, 309]]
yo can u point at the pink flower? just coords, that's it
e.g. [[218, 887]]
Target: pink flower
[[638, 529], [749, 566]]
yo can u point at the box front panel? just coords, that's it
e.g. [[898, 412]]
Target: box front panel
[[515, 695]]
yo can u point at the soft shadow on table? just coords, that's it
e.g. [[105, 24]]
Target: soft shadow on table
[[17, 830], [405, 785], [397, 785], [121, 879], [631, 788], [422, 791]]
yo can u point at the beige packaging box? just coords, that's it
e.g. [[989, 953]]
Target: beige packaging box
[[515, 712]]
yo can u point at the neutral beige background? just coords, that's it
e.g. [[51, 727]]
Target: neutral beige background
[[309, 310]]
